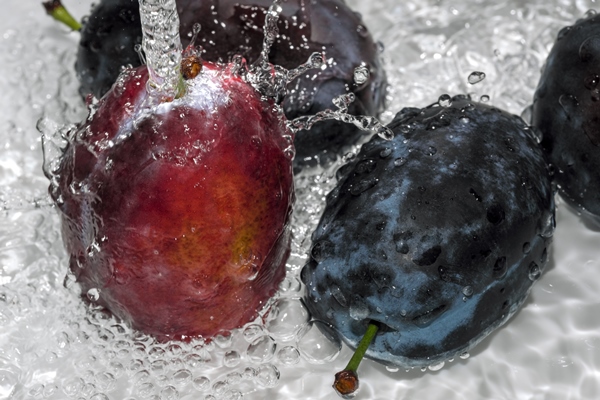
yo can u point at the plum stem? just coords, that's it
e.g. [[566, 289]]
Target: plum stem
[[56, 10], [346, 381]]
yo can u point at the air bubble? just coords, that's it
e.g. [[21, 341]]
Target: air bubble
[[318, 343], [231, 359], [289, 355], [287, 316], [267, 376], [252, 331], [224, 339], [201, 383], [262, 349]]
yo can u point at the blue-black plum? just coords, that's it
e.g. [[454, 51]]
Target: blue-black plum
[[436, 235], [231, 27], [566, 111]]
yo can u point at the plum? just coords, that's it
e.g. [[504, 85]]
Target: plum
[[176, 215], [566, 111], [231, 27], [435, 236]]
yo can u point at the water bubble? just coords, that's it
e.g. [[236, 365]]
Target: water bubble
[[169, 393], [267, 376], [249, 373], [93, 294], [252, 331], [72, 386], [398, 162], [286, 319], [182, 377], [445, 100], [233, 395], [233, 378], [231, 359], [476, 77], [262, 349], [318, 343], [468, 291], [220, 387], [484, 98], [391, 368], [201, 383], [361, 74], [534, 271], [224, 339], [437, 366], [464, 356], [359, 310], [289, 355]]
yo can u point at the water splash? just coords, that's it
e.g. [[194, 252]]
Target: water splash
[[162, 46]]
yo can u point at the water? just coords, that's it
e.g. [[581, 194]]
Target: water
[[52, 347]]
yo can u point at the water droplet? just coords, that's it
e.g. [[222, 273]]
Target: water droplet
[[318, 343], [476, 77], [182, 377], [267, 376], [286, 319], [338, 295], [526, 247], [484, 98], [262, 349], [358, 310], [201, 383], [231, 359], [289, 355], [464, 355], [468, 291], [361, 74], [93, 294], [252, 331], [437, 366], [534, 271], [398, 162], [390, 368], [385, 153], [499, 269], [224, 339], [169, 393], [445, 100]]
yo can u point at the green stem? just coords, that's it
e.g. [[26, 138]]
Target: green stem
[[56, 10], [346, 382]]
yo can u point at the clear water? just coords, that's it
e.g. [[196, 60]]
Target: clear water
[[52, 347]]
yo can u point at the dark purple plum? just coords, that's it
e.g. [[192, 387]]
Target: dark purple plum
[[437, 235], [231, 27], [566, 110]]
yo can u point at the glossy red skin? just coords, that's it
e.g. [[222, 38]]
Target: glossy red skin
[[189, 212]]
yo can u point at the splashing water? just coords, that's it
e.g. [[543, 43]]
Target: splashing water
[[162, 46]]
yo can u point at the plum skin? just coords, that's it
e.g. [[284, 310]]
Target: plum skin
[[565, 110], [109, 35], [180, 219], [437, 235]]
